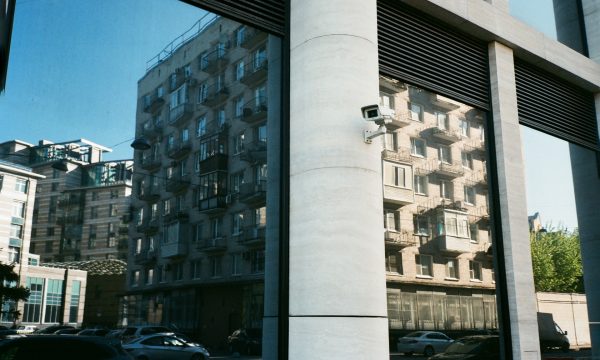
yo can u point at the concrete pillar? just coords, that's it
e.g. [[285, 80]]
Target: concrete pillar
[[586, 181], [337, 291], [513, 207]]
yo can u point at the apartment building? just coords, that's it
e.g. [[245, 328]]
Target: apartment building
[[439, 267], [81, 211], [55, 294], [197, 256]]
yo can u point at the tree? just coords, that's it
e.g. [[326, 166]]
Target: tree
[[556, 258], [10, 293]]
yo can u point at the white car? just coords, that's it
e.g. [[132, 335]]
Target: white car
[[424, 342], [165, 346], [26, 329]]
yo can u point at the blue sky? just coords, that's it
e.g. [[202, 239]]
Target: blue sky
[[74, 68]]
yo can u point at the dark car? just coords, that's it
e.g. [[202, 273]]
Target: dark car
[[479, 347], [71, 331], [93, 332], [52, 329], [245, 341], [64, 347]]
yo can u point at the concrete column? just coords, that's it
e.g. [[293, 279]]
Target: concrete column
[[337, 278], [586, 181], [513, 208]]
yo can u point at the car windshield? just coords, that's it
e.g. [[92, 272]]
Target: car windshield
[[464, 346], [415, 334]]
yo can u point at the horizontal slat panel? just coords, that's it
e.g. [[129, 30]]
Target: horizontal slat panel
[[268, 15], [416, 48], [553, 106]]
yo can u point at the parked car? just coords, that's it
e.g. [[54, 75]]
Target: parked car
[[26, 329], [53, 328], [93, 332], [424, 342], [550, 334], [132, 332], [245, 341], [64, 347], [480, 347], [164, 346], [7, 334]]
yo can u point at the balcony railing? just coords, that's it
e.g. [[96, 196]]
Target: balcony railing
[[214, 60], [179, 150], [176, 215], [152, 131], [144, 257], [175, 249], [215, 95], [449, 170], [254, 152], [254, 110], [399, 239], [148, 227], [253, 235], [454, 244], [446, 135], [253, 193], [177, 184], [252, 37], [400, 120], [213, 244], [180, 113], [212, 205], [255, 72], [397, 195], [151, 163], [475, 146], [217, 162], [150, 194], [153, 103], [401, 155]]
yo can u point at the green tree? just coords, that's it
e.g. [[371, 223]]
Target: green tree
[[9, 291], [556, 258]]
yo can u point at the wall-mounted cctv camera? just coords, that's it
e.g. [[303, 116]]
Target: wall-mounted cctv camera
[[379, 115]]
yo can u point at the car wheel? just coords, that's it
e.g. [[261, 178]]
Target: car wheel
[[429, 351], [565, 347]]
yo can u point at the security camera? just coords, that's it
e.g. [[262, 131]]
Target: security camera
[[379, 115]]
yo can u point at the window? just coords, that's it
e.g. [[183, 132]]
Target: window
[[424, 265], [74, 305], [391, 141], [453, 223], [149, 276], [21, 185], [239, 70], [178, 271], [260, 96], [114, 194], [475, 271], [236, 264], [393, 262], [240, 35], [260, 133], [421, 225], [215, 227], [197, 162], [202, 92], [161, 271], [215, 266], [396, 175], [220, 116], [416, 112], [196, 269], [238, 143], [386, 100], [442, 120], [16, 231], [257, 261], [112, 210], [92, 238], [235, 181], [417, 147], [54, 186], [420, 184], [178, 97], [452, 268], [93, 212], [444, 154], [238, 223], [260, 216], [470, 195], [467, 160], [463, 125], [53, 301], [445, 189], [135, 278], [198, 232], [474, 232], [187, 70], [50, 231], [33, 306], [259, 57], [185, 135], [239, 106], [111, 242], [391, 220], [138, 246], [95, 195], [201, 126]]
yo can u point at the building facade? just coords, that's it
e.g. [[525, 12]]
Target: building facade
[[197, 256], [80, 213], [56, 295]]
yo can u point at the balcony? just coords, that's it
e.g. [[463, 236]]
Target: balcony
[[255, 72], [153, 102], [175, 249], [213, 245], [401, 156], [212, 205], [151, 131], [217, 162], [17, 220], [181, 216], [397, 195], [215, 95], [252, 37], [145, 257], [177, 184], [445, 135], [15, 242], [179, 150], [254, 152], [180, 113], [150, 194], [151, 163], [454, 244], [214, 60], [400, 120], [148, 227], [253, 193], [254, 110], [449, 170], [483, 214], [253, 236], [399, 239], [475, 146]]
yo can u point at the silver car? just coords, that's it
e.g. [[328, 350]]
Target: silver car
[[424, 342], [164, 346]]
